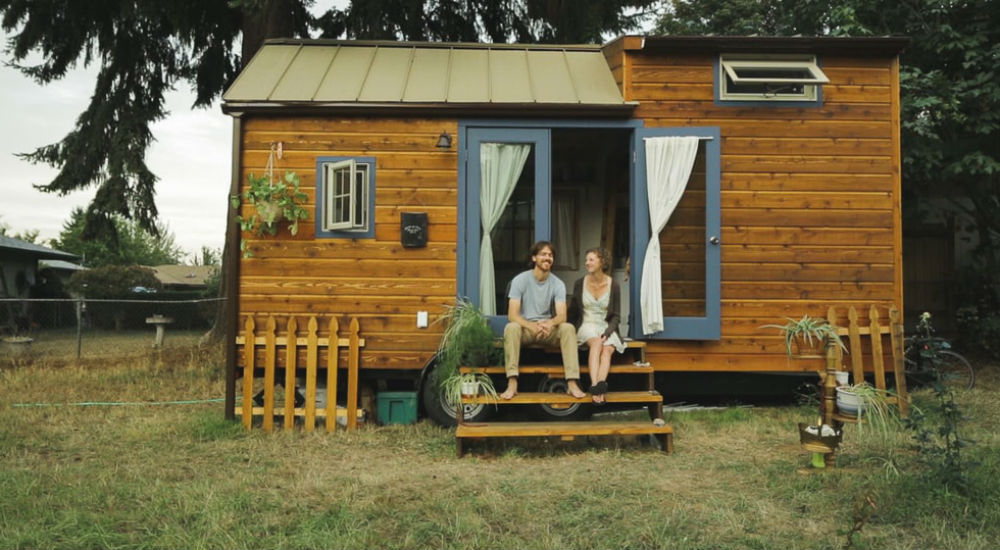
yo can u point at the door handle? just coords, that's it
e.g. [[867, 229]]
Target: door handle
[[713, 239]]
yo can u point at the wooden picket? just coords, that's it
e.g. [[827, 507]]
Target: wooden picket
[[875, 332], [294, 347]]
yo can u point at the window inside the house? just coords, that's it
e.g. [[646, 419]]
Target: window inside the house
[[346, 194], [770, 78]]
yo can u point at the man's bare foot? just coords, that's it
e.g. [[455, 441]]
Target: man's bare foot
[[511, 390], [573, 389]]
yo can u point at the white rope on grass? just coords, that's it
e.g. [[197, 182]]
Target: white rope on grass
[[120, 403]]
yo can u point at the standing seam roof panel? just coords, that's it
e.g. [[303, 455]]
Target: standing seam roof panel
[[508, 72], [428, 78], [387, 75], [593, 82], [303, 76], [469, 79], [269, 65], [550, 79], [346, 76]]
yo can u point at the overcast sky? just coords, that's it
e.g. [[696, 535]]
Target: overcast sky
[[191, 156]]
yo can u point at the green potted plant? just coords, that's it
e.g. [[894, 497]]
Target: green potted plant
[[467, 341], [806, 337], [468, 384], [272, 201], [870, 404]]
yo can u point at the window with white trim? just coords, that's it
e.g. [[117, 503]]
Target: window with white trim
[[745, 77], [347, 190]]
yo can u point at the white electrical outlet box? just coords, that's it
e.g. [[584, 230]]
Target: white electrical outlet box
[[421, 319]]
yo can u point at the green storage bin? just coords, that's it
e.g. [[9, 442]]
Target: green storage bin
[[397, 407]]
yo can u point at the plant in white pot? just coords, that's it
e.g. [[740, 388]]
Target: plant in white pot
[[871, 405], [468, 385]]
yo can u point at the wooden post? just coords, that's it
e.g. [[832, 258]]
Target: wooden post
[[876, 336], [332, 350], [898, 364], [290, 361], [249, 356], [854, 334], [311, 357], [352, 376], [270, 352]]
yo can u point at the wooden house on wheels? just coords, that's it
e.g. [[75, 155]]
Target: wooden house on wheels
[[745, 180]]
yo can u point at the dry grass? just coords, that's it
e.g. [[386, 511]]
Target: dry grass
[[173, 476]]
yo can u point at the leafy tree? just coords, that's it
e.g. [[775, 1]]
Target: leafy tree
[[112, 281], [207, 256], [950, 95], [29, 235], [134, 245]]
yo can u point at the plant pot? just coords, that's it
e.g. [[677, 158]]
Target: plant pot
[[18, 345], [848, 402], [842, 377], [269, 212], [806, 350], [470, 388]]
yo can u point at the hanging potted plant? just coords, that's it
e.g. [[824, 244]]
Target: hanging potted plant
[[806, 337], [272, 201]]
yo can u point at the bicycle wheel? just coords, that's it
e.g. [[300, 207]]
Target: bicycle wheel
[[956, 371]]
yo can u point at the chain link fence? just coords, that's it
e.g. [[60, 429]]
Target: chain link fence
[[67, 328]]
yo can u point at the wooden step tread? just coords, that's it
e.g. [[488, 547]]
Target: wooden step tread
[[541, 429], [557, 371], [629, 344], [525, 398]]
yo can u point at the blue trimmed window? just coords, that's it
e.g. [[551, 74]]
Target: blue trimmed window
[[776, 80], [345, 197]]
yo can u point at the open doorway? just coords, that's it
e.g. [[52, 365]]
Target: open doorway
[[588, 206]]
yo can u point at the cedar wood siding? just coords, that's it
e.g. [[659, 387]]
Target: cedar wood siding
[[810, 214], [374, 279], [810, 205]]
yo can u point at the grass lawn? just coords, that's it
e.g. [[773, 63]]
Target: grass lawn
[[181, 476]]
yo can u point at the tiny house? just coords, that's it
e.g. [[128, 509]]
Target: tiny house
[[735, 180]]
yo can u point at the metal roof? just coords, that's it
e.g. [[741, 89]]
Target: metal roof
[[404, 74], [10, 244]]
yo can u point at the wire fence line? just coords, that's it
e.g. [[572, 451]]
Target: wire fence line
[[60, 327]]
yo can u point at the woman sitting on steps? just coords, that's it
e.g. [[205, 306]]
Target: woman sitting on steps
[[594, 311]]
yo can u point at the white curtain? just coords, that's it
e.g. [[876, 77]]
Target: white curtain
[[500, 165], [669, 161], [564, 232]]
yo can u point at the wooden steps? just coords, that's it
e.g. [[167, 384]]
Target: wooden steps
[[556, 371], [567, 431], [538, 398], [632, 362]]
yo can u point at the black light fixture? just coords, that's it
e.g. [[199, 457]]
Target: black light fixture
[[444, 141]]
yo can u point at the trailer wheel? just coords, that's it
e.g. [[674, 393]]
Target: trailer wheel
[[575, 411], [442, 412]]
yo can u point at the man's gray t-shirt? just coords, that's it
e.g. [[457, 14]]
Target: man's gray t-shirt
[[537, 297]]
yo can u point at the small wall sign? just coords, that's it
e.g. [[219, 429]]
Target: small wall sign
[[413, 229]]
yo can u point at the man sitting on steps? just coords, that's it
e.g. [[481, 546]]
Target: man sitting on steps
[[531, 296]]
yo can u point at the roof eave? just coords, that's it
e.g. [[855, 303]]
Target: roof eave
[[857, 46], [622, 110]]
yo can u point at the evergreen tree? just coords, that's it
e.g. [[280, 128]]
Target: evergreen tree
[[134, 246]]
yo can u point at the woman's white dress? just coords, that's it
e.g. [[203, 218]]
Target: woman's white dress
[[595, 310]]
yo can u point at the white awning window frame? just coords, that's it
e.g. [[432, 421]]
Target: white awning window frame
[[801, 84], [732, 66]]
